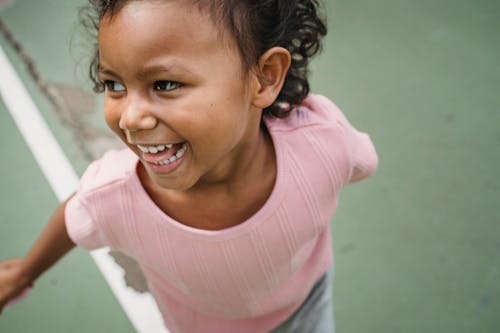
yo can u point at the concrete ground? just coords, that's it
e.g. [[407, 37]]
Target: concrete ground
[[416, 246]]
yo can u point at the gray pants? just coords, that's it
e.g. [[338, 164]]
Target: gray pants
[[315, 315]]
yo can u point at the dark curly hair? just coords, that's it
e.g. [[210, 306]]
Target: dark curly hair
[[257, 25]]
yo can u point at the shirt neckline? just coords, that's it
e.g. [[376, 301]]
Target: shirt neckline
[[269, 207]]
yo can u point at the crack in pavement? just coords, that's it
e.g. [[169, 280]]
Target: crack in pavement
[[71, 104]]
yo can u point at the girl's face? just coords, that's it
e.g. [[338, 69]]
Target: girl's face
[[177, 94]]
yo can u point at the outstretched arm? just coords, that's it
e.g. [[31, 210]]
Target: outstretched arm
[[53, 243]]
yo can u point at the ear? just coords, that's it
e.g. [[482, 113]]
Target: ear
[[271, 72]]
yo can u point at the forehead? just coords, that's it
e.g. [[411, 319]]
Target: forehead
[[159, 26]]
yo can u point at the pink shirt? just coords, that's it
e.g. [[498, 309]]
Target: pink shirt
[[247, 278]]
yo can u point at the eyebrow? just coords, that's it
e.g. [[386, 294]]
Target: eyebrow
[[149, 71], [106, 71]]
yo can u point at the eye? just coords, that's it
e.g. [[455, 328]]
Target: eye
[[166, 85], [114, 86]]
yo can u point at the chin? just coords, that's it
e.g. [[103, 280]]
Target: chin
[[171, 184]]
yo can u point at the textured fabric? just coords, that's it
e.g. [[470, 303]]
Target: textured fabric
[[315, 315], [250, 277]]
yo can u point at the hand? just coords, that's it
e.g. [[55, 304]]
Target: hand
[[12, 281]]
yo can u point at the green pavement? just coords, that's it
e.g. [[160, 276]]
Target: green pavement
[[416, 246], [71, 297]]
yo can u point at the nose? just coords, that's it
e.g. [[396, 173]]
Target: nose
[[137, 115]]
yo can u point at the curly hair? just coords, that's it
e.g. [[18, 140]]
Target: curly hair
[[257, 25]]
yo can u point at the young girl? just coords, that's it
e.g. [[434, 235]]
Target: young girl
[[232, 171]]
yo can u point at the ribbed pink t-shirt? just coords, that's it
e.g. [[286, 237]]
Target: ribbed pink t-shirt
[[247, 278]]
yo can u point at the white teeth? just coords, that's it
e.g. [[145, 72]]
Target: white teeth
[[181, 151], [174, 157], [142, 148], [154, 149]]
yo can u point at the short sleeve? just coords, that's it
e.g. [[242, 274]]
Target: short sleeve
[[80, 224], [363, 159], [85, 213]]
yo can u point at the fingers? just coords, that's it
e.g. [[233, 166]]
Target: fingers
[[9, 263]]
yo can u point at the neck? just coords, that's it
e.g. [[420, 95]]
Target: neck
[[255, 162], [227, 202]]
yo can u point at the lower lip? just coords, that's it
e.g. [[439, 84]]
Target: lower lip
[[168, 167]]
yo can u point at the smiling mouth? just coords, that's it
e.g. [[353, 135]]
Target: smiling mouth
[[163, 154]]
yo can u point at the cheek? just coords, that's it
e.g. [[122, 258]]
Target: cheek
[[112, 116]]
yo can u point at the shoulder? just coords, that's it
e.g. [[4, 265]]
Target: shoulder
[[95, 200], [311, 141], [114, 166], [319, 128], [315, 110]]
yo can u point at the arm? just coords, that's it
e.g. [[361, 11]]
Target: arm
[[53, 244]]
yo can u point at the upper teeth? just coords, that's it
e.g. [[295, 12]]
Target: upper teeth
[[154, 149]]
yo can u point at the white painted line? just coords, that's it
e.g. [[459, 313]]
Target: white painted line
[[140, 308]]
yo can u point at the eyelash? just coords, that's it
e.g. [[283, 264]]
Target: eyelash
[[110, 85], [166, 85], [161, 85]]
